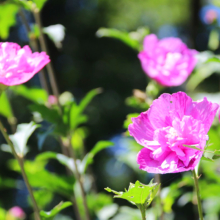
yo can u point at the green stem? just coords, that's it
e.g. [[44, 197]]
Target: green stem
[[35, 47], [49, 65], [198, 194], [158, 200], [143, 211], [20, 162], [78, 177]]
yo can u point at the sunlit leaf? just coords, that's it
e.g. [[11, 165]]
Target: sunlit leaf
[[213, 59], [5, 107], [213, 43], [138, 193], [66, 161], [42, 197], [76, 116], [207, 159], [51, 115], [97, 201], [107, 211], [2, 214], [120, 35], [49, 215], [193, 147], [37, 95], [21, 136], [202, 72], [88, 159], [40, 178], [128, 121], [7, 18]]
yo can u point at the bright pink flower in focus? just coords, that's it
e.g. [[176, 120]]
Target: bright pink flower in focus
[[167, 61], [17, 212], [171, 122], [18, 65]]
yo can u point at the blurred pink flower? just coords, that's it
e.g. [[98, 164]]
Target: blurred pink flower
[[17, 212], [52, 100], [211, 16], [18, 65], [167, 61], [172, 122]]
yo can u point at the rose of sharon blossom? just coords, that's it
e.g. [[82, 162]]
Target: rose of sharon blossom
[[167, 61], [18, 65], [172, 122]]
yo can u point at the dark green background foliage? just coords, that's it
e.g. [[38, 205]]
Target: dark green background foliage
[[86, 62]]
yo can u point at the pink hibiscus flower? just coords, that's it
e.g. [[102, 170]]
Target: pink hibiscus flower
[[167, 61], [18, 65], [172, 122]]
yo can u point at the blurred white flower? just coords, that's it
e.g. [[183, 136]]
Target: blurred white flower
[[56, 33]]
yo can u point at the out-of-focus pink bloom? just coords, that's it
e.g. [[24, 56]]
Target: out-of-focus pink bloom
[[172, 122], [17, 212], [52, 100], [168, 61], [211, 16], [18, 65]]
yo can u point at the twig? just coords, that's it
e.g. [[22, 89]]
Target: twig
[[198, 194], [20, 162]]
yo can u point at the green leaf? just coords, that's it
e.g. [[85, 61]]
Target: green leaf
[[88, 159], [42, 179], [213, 43], [49, 215], [120, 35], [36, 95], [193, 147], [98, 201], [43, 198], [76, 116], [2, 214], [21, 136], [51, 115], [66, 161], [5, 107], [7, 18], [138, 193], [202, 72], [213, 59], [128, 121], [207, 159]]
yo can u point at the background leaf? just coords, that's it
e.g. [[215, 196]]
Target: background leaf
[[49, 215], [88, 159], [7, 18], [21, 136]]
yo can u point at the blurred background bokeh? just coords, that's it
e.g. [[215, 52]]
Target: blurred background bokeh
[[84, 61]]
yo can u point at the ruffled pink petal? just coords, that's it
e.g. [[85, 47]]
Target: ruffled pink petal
[[150, 42], [18, 65], [167, 107], [172, 44], [204, 111], [141, 129], [168, 165]]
